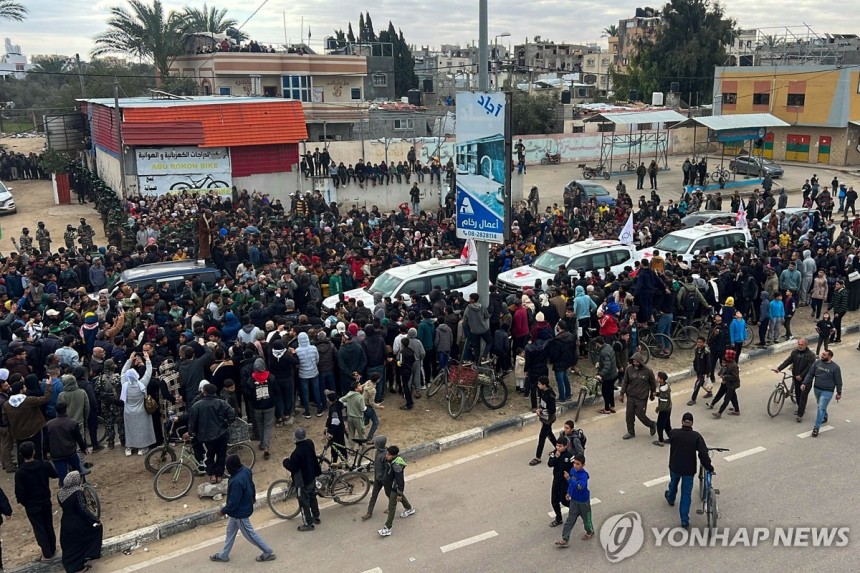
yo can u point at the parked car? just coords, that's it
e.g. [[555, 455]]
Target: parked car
[[695, 241], [754, 165], [7, 201], [712, 217], [174, 273], [591, 189]]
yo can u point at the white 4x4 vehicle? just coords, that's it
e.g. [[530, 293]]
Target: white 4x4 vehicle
[[423, 277], [698, 240], [590, 255]]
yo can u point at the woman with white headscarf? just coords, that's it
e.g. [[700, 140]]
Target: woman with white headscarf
[[139, 432], [80, 530]]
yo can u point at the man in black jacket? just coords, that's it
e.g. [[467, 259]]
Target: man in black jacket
[[207, 422], [374, 350], [64, 439], [685, 444], [304, 467], [33, 491], [800, 359]]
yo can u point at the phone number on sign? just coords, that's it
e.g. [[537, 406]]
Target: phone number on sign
[[481, 235]]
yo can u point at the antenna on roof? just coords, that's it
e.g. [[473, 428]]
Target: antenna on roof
[[158, 94]]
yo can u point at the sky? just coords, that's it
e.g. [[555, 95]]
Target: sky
[[68, 27]]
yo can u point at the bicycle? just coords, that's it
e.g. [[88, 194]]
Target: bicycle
[[628, 166], [362, 459], [588, 392], [720, 172], [466, 383], [708, 493], [345, 488], [237, 444], [684, 336], [659, 345], [782, 390]]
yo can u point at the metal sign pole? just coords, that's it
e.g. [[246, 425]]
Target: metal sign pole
[[482, 248]]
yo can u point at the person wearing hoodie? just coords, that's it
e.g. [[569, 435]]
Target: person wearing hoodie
[[355, 407], [231, 328], [64, 440], [23, 415], [580, 502], [309, 375], [76, 401], [394, 483], [304, 467], [417, 349], [443, 340], [208, 421], [33, 491], [536, 364], [88, 331], [379, 468], [350, 359], [776, 313], [426, 333], [248, 332], [378, 306], [263, 405], [807, 272], [328, 356], [374, 351], [563, 355], [583, 306], [281, 363], [763, 318], [639, 385]]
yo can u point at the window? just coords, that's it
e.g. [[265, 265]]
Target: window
[[355, 94], [403, 124], [578, 263], [440, 281], [598, 261], [462, 279], [297, 87], [225, 91], [619, 257], [720, 242], [796, 100], [380, 80], [589, 62], [417, 285], [761, 99], [645, 126], [730, 98], [605, 127]]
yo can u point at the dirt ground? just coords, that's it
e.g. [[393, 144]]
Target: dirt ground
[[35, 202]]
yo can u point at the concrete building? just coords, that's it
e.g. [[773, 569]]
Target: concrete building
[[441, 74], [13, 63], [198, 144], [741, 51], [546, 56], [821, 103], [379, 80], [331, 88], [596, 68], [634, 32]]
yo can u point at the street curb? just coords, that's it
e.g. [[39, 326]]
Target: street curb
[[152, 533]]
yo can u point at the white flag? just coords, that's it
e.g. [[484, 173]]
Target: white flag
[[626, 236], [469, 253], [741, 218]]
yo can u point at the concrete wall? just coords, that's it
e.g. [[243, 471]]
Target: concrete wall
[[276, 185], [839, 144], [107, 167]]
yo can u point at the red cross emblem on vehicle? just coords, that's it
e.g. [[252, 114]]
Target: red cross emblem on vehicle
[[521, 274]]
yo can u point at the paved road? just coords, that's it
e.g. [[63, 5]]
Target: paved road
[[482, 508]]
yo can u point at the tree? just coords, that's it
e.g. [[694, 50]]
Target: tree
[[212, 20], [350, 36], [146, 32], [610, 31], [533, 114], [51, 64], [10, 10], [361, 29], [685, 49], [370, 35]]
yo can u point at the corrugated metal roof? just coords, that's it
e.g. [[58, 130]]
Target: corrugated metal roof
[[654, 116], [266, 122], [138, 102], [734, 121], [163, 133]]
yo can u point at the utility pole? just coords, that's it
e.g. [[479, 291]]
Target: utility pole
[[81, 76], [119, 138], [482, 248]]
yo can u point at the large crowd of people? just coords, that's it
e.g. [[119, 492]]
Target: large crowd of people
[[72, 333]]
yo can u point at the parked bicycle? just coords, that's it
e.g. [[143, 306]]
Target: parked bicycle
[[588, 393], [708, 494], [237, 438], [784, 389], [684, 336], [720, 172], [659, 345], [628, 166], [345, 488], [465, 383]]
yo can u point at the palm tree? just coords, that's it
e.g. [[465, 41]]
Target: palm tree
[[610, 31], [211, 20], [146, 31], [10, 10]]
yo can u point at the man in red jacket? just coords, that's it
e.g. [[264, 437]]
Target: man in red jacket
[[520, 326]]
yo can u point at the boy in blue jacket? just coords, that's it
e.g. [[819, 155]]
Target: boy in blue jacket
[[240, 505], [580, 501]]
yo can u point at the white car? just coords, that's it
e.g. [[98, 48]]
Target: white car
[[7, 201], [423, 277], [698, 240], [589, 255]]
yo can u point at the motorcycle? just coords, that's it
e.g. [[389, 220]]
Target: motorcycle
[[550, 159], [591, 172]]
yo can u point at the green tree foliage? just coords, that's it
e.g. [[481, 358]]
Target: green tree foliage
[[211, 19], [10, 10], [610, 31], [350, 35], [687, 47], [533, 114], [146, 31], [369, 34]]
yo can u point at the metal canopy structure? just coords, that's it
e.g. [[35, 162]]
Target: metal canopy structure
[[643, 131], [732, 131]]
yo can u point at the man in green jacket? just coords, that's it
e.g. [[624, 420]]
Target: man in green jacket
[[839, 306], [355, 407], [335, 282]]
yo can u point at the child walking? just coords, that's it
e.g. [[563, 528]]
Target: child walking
[[825, 330], [580, 502], [520, 370], [664, 408]]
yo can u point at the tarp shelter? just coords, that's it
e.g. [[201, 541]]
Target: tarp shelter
[[643, 135], [733, 132]]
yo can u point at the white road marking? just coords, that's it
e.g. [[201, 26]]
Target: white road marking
[[374, 570], [657, 481], [468, 541], [564, 510], [739, 455], [809, 433], [169, 556], [621, 491]]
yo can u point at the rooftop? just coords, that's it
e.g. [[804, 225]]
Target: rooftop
[[183, 101]]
